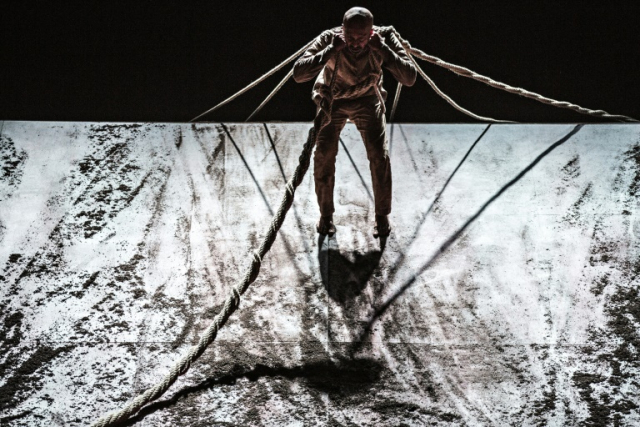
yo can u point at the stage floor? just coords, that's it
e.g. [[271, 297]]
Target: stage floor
[[507, 293]]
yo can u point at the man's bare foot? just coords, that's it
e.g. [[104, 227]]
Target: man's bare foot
[[382, 227], [325, 226]]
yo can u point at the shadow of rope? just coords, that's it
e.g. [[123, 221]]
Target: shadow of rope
[[382, 308]]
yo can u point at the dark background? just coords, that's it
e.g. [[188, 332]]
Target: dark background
[[169, 62]]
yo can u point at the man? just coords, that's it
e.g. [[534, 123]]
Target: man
[[360, 51]]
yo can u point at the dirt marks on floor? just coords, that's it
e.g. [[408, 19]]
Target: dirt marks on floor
[[610, 389], [11, 167], [291, 360]]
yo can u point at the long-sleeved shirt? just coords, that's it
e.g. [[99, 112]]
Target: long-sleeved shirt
[[320, 60]]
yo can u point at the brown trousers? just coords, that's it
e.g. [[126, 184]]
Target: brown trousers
[[366, 114]]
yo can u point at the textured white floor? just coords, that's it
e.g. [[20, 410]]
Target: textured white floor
[[507, 293]]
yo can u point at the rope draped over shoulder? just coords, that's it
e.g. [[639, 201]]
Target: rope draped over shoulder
[[390, 31], [465, 72]]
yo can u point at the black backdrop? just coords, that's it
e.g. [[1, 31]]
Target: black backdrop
[[160, 61]]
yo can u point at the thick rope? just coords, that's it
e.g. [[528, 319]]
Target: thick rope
[[233, 301], [271, 95], [519, 91], [258, 81], [465, 72], [451, 101], [231, 304]]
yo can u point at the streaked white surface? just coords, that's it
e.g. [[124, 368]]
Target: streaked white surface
[[119, 243]]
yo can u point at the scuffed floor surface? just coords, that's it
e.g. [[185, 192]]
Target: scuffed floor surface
[[507, 293]]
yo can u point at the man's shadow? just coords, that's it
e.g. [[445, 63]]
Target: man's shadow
[[338, 378], [344, 277]]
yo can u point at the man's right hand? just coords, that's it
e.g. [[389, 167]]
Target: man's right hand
[[338, 42]]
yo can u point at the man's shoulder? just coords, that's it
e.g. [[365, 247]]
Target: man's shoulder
[[326, 37], [328, 34], [338, 30], [331, 32], [384, 30]]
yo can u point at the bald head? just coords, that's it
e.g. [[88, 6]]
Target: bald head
[[358, 17], [357, 28]]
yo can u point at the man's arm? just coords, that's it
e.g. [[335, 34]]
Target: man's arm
[[395, 58], [310, 64]]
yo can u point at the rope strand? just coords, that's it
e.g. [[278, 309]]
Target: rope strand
[[396, 98], [465, 72], [271, 95], [451, 101], [258, 81]]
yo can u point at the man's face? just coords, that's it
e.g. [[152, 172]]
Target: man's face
[[356, 37]]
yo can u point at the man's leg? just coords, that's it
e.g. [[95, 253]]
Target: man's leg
[[324, 160], [371, 123]]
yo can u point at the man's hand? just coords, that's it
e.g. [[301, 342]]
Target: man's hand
[[376, 41], [338, 42]]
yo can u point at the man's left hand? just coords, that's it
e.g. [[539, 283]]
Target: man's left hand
[[376, 41]]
